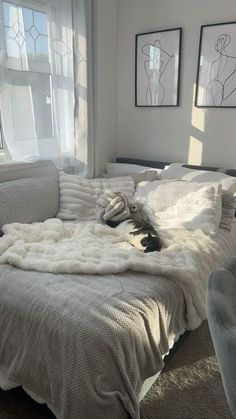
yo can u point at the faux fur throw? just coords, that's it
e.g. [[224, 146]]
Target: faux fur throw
[[53, 246]]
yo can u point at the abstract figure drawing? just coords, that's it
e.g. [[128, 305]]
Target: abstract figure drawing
[[155, 66], [222, 76]]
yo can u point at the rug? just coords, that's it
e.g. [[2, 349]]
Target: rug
[[190, 386]]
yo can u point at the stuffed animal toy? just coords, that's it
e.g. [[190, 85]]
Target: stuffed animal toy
[[117, 211], [116, 207]]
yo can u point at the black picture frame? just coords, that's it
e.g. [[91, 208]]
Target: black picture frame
[[215, 82], [170, 84]]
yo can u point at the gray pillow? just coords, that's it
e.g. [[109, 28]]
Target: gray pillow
[[29, 200]]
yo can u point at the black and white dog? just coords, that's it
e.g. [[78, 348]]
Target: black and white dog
[[141, 234]]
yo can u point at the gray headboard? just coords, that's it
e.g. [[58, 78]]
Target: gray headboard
[[162, 164]]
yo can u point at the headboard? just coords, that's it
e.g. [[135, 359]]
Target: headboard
[[162, 164]]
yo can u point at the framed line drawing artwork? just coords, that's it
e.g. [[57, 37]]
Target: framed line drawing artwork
[[216, 74], [157, 68]]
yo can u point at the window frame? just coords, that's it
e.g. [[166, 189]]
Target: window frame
[[62, 89], [10, 64]]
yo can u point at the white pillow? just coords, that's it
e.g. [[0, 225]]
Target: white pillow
[[177, 204], [78, 196], [124, 169], [176, 171]]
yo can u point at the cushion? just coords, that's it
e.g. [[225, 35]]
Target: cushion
[[177, 204], [176, 171], [137, 172], [78, 196], [29, 200]]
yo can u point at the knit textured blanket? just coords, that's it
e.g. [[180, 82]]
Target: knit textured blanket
[[53, 246]]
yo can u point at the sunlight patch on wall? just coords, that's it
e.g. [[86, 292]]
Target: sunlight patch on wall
[[195, 151], [198, 114], [198, 119]]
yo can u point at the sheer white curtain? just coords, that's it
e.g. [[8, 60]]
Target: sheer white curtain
[[44, 75], [84, 135]]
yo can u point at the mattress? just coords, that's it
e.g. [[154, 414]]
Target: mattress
[[68, 339]]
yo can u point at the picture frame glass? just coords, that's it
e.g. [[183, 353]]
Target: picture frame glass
[[157, 68], [216, 78]]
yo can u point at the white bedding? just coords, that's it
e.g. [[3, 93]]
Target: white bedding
[[227, 243], [165, 295], [51, 246]]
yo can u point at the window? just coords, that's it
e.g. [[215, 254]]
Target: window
[[26, 34], [37, 87]]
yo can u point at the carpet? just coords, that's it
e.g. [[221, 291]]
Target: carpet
[[189, 388]]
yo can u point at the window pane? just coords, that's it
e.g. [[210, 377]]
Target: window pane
[[28, 18], [13, 49], [40, 21], [41, 94], [14, 30], [30, 46], [26, 33], [42, 48], [30, 105], [35, 25], [6, 13]]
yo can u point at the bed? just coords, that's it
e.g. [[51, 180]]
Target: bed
[[90, 346]]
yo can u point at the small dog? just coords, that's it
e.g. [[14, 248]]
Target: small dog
[[141, 234]]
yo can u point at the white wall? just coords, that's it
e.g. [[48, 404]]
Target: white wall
[[184, 133], [105, 81]]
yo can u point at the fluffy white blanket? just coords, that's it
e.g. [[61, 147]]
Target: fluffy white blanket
[[53, 246]]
